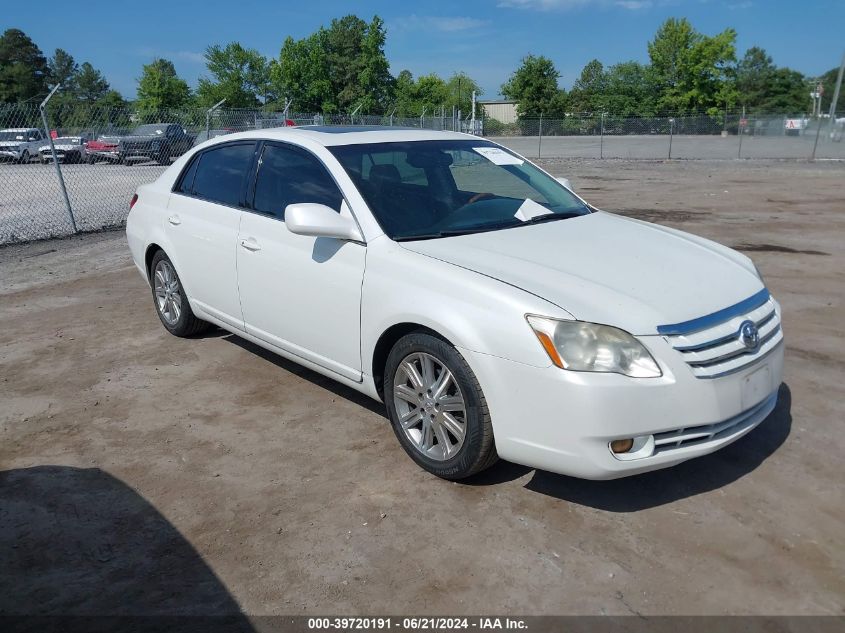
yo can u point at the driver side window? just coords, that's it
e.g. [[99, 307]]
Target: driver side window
[[286, 176]]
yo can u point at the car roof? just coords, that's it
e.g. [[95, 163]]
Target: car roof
[[330, 135], [19, 129]]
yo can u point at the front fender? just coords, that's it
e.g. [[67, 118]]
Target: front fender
[[472, 311]]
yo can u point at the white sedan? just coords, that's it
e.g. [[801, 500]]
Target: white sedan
[[492, 310]]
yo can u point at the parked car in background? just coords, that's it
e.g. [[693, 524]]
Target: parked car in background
[[20, 144], [69, 149], [102, 149], [498, 313], [156, 141]]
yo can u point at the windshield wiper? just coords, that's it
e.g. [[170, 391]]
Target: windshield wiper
[[548, 217], [446, 233]]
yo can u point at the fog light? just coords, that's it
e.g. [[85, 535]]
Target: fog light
[[622, 446]]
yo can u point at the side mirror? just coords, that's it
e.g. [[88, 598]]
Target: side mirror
[[318, 220], [565, 182]]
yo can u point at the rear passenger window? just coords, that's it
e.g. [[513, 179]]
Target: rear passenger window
[[287, 176], [186, 182], [220, 173]]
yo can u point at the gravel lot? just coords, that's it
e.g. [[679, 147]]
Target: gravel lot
[[142, 473]]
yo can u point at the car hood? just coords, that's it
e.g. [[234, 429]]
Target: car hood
[[10, 144], [607, 269]]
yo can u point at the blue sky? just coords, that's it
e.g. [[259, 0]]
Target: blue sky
[[485, 38]]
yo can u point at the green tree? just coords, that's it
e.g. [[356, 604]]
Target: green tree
[[754, 74], [459, 90], [159, 87], [240, 75], [788, 93], [62, 69], [828, 82], [534, 87], [302, 75], [589, 92], [628, 90], [689, 68], [337, 68], [89, 84], [23, 68]]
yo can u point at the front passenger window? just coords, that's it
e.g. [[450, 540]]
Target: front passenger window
[[287, 176]]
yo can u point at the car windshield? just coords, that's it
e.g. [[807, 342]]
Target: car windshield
[[431, 189], [11, 136], [149, 130]]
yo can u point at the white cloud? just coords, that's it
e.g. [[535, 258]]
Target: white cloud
[[565, 5], [634, 4], [444, 24]]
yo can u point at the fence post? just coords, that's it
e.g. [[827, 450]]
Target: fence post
[[540, 137], [56, 160], [818, 133], [671, 133], [601, 138], [208, 117]]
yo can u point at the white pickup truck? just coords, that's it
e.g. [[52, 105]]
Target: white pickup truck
[[20, 144]]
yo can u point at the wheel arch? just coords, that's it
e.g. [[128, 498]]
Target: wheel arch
[[151, 251], [385, 343]]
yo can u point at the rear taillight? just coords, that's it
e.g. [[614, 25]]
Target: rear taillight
[[133, 201]]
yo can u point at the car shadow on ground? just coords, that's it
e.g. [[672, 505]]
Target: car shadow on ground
[[629, 494], [311, 376], [660, 487], [78, 542]]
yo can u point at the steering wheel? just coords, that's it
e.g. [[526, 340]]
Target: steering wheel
[[479, 196]]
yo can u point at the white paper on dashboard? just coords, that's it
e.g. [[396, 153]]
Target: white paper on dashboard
[[530, 209], [498, 156]]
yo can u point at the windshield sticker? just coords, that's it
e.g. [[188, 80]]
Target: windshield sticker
[[529, 210], [498, 156]]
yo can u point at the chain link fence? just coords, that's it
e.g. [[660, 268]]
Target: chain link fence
[[104, 154]]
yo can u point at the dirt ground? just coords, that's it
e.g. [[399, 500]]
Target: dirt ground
[[141, 473]]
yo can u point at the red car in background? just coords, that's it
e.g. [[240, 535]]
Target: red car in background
[[102, 149]]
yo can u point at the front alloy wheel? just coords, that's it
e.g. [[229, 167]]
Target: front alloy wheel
[[431, 409], [437, 408]]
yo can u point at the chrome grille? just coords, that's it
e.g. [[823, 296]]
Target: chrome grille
[[712, 345], [690, 436]]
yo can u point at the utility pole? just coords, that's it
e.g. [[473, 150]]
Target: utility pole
[[833, 101], [472, 131]]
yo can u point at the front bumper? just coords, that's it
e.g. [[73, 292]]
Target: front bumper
[[10, 153], [563, 421]]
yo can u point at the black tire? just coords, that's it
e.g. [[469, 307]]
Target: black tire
[[24, 158], [478, 451], [187, 324]]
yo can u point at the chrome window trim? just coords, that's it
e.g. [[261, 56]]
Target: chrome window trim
[[720, 316]]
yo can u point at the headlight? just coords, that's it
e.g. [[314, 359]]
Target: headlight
[[581, 346]]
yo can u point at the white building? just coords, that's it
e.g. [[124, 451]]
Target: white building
[[503, 110]]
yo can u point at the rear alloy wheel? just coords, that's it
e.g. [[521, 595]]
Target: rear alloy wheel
[[171, 304], [437, 408]]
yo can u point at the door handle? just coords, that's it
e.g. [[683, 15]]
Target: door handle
[[174, 220], [250, 245]]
